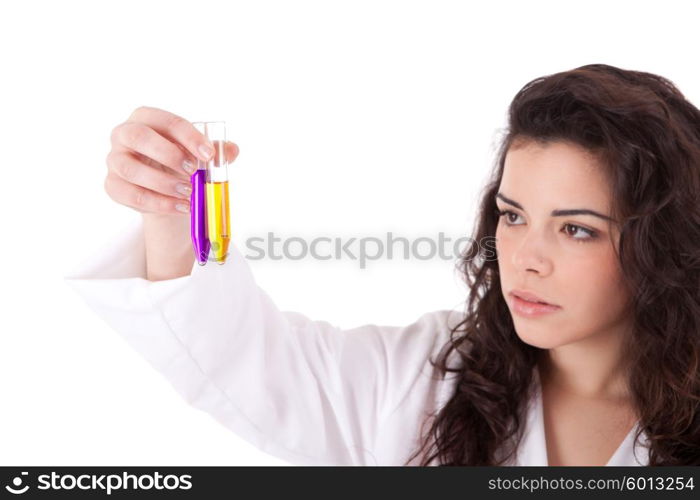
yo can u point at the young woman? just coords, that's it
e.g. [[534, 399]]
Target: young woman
[[579, 343]]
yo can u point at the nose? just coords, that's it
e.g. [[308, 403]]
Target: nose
[[529, 255]]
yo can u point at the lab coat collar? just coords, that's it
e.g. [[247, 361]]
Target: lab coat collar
[[533, 449]]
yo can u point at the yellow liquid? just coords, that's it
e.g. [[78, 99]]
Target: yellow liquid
[[218, 223]]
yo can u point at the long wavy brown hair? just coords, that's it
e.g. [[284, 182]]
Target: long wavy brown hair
[[648, 136]]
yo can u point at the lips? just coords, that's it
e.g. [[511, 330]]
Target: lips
[[530, 297]]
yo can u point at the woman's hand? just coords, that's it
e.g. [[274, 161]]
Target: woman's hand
[[152, 157], [153, 153]]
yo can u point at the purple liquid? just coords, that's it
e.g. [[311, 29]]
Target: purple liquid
[[198, 224]]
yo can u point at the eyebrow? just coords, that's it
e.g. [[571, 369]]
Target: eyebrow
[[555, 213]]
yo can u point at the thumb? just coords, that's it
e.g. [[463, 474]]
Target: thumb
[[230, 151]]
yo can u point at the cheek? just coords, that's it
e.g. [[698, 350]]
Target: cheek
[[503, 245], [595, 293]]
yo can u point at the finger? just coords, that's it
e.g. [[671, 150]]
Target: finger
[[180, 131], [129, 168], [175, 128], [182, 175], [142, 199], [231, 151], [142, 139]]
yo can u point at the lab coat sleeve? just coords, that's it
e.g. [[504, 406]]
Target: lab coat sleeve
[[305, 391]]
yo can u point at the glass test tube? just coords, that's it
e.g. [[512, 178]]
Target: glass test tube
[[198, 216], [217, 194]]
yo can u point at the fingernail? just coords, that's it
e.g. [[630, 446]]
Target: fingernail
[[183, 189], [182, 207], [188, 166], [205, 151]]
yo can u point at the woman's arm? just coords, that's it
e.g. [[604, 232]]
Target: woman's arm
[[168, 245], [300, 389]]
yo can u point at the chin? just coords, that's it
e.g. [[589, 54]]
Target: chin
[[543, 340]]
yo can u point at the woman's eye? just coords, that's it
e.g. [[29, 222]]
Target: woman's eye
[[572, 230], [507, 213], [587, 233]]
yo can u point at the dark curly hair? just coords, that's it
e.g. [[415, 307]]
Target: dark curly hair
[[648, 136]]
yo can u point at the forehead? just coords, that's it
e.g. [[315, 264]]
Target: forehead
[[557, 175]]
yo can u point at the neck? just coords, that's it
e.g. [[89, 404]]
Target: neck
[[591, 368]]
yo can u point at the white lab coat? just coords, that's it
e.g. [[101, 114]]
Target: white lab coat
[[299, 389]]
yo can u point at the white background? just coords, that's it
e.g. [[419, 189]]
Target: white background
[[353, 118]]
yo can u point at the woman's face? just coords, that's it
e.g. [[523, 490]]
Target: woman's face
[[567, 260]]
